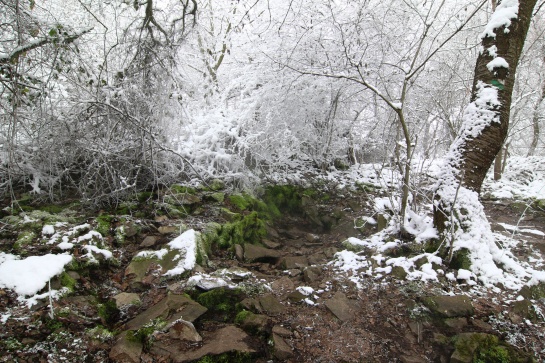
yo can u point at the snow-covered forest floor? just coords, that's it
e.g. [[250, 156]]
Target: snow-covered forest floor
[[304, 272]]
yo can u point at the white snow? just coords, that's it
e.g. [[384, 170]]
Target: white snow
[[305, 290], [506, 11], [186, 243], [48, 230], [153, 254], [30, 275], [497, 62]]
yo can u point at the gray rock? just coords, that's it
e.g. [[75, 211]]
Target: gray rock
[[280, 330], [254, 253], [282, 350], [341, 307], [449, 306], [171, 308], [149, 241], [317, 258], [224, 340], [184, 330], [272, 245], [126, 350], [282, 285], [456, 323], [254, 322], [270, 305], [382, 222], [239, 253], [466, 345], [311, 274], [126, 299], [330, 252], [294, 262], [169, 229]]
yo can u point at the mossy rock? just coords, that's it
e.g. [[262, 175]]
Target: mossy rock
[[24, 239], [68, 281], [223, 303], [104, 224], [250, 229], [251, 323], [534, 292], [485, 348], [461, 259], [182, 189], [216, 185]]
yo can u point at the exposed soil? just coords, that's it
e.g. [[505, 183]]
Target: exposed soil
[[385, 321]]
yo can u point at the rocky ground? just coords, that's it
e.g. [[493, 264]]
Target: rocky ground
[[264, 289]]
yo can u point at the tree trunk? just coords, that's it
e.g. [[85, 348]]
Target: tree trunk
[[497, 166], [486, 119], [535, 122]]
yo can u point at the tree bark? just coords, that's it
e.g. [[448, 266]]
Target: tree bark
[[473, 152]]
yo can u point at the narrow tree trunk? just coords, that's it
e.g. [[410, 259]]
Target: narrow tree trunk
[[497, 166], [535, 123], [486, 119]]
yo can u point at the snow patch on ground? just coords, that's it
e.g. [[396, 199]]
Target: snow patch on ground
[[186, 243], [28, 276]]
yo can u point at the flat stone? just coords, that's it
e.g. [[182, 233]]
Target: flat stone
[[296, 296], [126, 299], [254, 253], [239, 253], [282, 285], [184, 330], [456, 323], [149, 241], [272, 245], [311, 274], [254, 322], [280, 330], [466, 345], [169, 229], [126, 350], [312, 238], [171, 308], [330, 252], [482, 325], [282, 350], [340, 306], [449, 306], [317, 258], [270, 305], [294, 262], [224, 340]]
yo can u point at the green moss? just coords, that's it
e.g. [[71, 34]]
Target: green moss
[[68, 282], [24, 238], [104, 222], [461, 259], [108, 312], [285, 198], [222, 302], [241, 202], [11, 344], [53, 208], [250, 229], [242, 316], [181, 189], [99, 333]]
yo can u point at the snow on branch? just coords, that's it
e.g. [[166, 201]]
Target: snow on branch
[[37, 43], [506, 11]]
